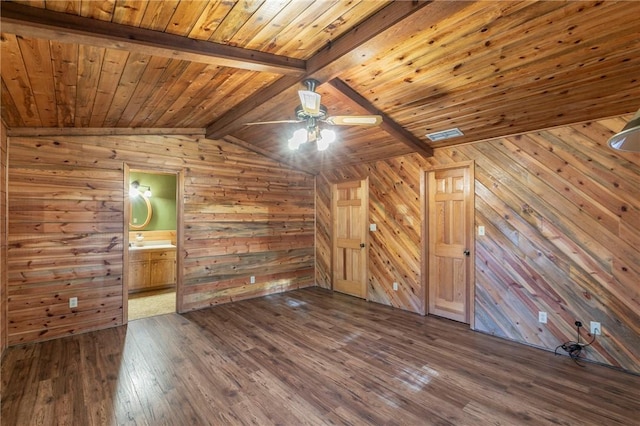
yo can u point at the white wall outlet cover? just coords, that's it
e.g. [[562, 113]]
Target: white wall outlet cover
[[395, 286], [253, 279], [73, 302], [373, 227], [480, 230], [594, 328], [542, 317]]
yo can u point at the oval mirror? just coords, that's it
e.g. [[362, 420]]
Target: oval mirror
[[140, 212]]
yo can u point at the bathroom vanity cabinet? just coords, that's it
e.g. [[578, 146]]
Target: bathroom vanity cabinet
[[151, 268]]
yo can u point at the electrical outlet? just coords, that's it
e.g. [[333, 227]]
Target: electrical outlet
[[542, 317], [373, 227], [73, 302], [252, 279], [395, 286], [594, 328], [480, 230]]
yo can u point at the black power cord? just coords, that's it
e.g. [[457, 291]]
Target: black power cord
[[574, 349]]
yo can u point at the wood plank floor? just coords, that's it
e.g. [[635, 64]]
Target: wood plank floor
[[305, 357]]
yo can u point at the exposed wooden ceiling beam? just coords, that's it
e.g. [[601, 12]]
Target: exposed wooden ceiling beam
[[388, 124], [40, 23], [347, 51], [101, 131]]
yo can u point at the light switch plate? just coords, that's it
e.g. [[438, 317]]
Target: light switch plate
[[373, 227], [542, 317], [480, 230]]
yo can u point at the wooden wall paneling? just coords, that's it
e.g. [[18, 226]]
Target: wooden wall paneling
[[586, 267], [249, 200], [562, 242], [323, 242], [3, 238], [560, 215], [239, 225], [67, 235], [398, 215], [394, 248], [58, 257]]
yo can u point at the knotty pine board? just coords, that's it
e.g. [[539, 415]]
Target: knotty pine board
[[561, 213], [3, 238], [243, 215]]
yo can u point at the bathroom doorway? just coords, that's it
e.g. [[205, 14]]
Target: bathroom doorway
[[152, 213]]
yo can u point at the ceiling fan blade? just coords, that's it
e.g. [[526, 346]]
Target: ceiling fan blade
[[310, 102], [272, 122], [354, 120]]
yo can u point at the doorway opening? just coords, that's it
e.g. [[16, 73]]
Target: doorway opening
[[151, 260]]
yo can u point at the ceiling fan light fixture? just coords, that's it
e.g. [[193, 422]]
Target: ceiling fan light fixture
[[326, 138], [310, 102], [628, 139], [328, 135], [299, 137], [322, 144]]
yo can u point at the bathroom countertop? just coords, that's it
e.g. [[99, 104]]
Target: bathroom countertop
[[152, 245]]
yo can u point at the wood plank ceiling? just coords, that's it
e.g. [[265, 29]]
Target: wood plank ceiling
[[489, 68]]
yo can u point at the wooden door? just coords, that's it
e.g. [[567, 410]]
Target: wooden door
[[450, 238], [350, 210]]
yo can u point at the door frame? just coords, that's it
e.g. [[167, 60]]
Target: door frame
[[365, 200], [147, 168], [470, 217]]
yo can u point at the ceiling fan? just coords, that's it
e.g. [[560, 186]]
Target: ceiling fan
[[312, 112]]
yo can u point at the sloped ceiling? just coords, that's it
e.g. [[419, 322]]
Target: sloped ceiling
[[489, 68]]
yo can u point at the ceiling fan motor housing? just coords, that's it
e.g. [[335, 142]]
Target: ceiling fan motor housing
[[301, 114]]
